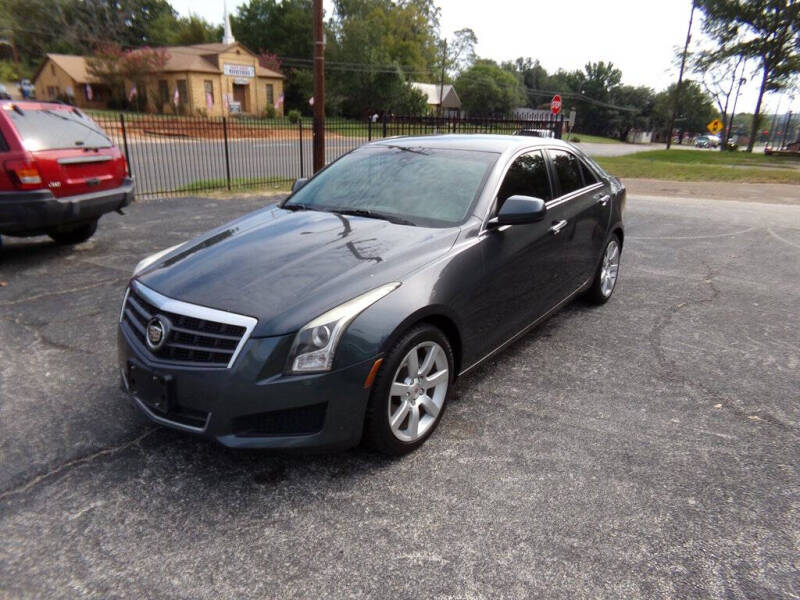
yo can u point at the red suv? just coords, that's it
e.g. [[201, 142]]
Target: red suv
[[59, 172]]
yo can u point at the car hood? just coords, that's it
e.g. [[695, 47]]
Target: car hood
[[285, 268]]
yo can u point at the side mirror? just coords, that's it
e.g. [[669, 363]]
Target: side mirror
[[518, 210], [298, 183]]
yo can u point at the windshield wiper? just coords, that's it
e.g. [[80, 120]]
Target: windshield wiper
[[371, 214], [296, 206], [409, 149]]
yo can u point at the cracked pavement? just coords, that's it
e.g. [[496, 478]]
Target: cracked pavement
[[645, 449]]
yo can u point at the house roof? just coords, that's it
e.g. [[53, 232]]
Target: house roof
[[74, 66], [432, 93], [198, 58]]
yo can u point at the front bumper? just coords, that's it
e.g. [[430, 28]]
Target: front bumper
[[39, 211], [252, 404]]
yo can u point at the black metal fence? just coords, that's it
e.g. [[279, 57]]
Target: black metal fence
[[186, 155]]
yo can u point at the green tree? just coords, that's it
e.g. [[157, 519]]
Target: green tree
[[597, 82], [720, 77], [79, 26], [461, 51], [765, 30], [488, 89], [640, 99], [695, 111], [286, 30], [374, 48], [533, 77], [185, 31], [115, 67]]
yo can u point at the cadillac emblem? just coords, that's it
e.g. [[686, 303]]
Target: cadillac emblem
[[156, 333]]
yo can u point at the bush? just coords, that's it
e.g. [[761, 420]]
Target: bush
[[8, 71], [294, 115], [268, 113], [574, 139]]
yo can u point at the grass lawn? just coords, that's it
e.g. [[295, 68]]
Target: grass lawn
[[694, 165], [593, 139]]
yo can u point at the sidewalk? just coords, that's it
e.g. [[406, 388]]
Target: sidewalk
[[767, 193]]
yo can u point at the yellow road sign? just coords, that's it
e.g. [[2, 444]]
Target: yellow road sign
[[715, 126]]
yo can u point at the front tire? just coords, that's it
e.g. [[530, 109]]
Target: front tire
[[605, 279], [74, 235], [410, 392]]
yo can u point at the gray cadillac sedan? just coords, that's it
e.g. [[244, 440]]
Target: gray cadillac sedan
[[346, 312]]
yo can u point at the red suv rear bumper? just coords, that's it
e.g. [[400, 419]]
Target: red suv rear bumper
[[37, 211]]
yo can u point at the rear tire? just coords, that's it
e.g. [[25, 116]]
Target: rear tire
[[605, 279], [410, 392], [74, 235]]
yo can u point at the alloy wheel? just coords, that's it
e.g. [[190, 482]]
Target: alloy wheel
[[610, 268], [418, 390]]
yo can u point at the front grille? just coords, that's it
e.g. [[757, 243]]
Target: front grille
[[304, 420], [190, 340]]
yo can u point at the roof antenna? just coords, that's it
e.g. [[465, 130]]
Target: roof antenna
[[227, 34]]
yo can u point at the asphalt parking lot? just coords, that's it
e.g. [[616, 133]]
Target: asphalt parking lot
[[645, 449]]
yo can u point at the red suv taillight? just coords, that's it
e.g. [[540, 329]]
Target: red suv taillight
[[24, 173]]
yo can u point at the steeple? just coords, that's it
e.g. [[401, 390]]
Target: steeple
[[227, 34]]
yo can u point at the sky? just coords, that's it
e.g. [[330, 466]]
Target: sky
[[639, 36]]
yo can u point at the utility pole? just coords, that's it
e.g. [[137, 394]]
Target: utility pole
[[319, 88], [441, 81], [680, 78]]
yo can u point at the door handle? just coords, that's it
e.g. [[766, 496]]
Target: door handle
[[558, 226], [603, 200]]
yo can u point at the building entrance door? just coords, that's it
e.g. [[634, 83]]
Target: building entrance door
[[240, 95]]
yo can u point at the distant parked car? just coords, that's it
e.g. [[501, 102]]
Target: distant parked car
[[707, 141], [543, 133], [4, 95], [59, 172]]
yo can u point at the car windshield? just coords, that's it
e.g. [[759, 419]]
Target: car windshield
[[52, 129], [431, 187]]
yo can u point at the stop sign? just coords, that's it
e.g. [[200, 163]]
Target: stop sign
[[555, 104]]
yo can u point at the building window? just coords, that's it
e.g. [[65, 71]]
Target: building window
[[53, 91], [183, 96], [270, 95], [208, 86], [163, 91], [52, 69]]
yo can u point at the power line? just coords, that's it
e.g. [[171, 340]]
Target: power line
[[581, 98]]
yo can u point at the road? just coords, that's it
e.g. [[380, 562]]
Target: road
[[645, 449], [168, 164]]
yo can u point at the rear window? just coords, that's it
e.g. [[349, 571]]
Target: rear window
[[51, 129], [588, 177], [568, 170]]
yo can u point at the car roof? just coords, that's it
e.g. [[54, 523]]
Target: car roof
[[472, 141], [36, 105]]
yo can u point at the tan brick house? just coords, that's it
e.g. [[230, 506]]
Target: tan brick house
[[210, 79]]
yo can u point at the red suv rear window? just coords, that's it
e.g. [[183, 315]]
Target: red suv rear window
[[52, 129]]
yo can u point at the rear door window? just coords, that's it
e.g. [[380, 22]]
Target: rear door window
[[527, 176], [52, 129], [568, 170], [589, 178]]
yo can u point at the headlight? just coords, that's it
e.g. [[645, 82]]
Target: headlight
[[146, 262], [315, 344]]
